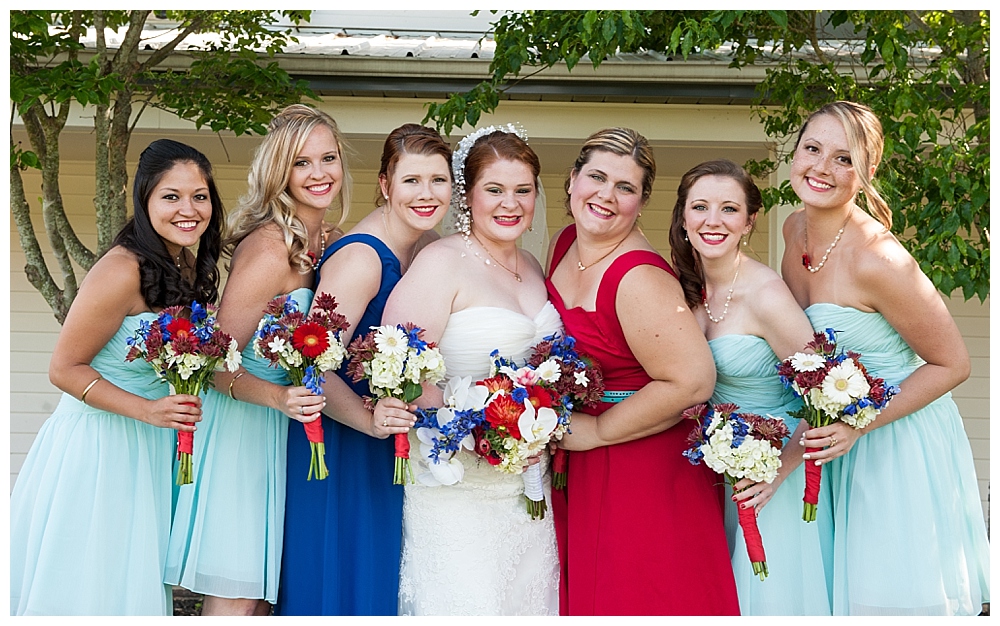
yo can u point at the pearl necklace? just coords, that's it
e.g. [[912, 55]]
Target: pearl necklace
[[468, 244], [806, 263], [413, 251], [725, 308], [313, 258], [579, 264]]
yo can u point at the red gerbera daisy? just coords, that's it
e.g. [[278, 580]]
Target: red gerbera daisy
[[310, 339], [503, 412], [180, 327]]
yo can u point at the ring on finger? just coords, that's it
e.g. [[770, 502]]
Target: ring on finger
[[833, 441], [385, 422]]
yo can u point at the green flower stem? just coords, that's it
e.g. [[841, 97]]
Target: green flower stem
[[403, 472], [536, 509], [184, 469], [317, 462]]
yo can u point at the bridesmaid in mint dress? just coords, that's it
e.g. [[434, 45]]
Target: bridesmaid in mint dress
[[227, 531], [909, 536], [343, 534], [90, 511], [749, 317]]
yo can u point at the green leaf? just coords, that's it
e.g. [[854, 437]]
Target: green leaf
[[411, 391]]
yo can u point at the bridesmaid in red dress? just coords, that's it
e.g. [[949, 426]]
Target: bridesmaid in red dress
[[640, 529]]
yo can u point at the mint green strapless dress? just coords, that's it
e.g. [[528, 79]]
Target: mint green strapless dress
[[90, 512], [909, 534], [229, 523], [798, 553]]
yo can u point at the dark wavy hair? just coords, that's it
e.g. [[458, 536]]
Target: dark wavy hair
[[161, 283], [409, 139], [682, 254]]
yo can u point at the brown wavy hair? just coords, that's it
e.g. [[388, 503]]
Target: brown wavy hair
[[682, 254]]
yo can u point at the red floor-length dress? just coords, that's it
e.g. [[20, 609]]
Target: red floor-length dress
[[640, 529]]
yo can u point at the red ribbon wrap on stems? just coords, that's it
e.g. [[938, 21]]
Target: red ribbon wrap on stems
[[751, 535], [185, 450], [811, 497], [560, 463], [317, 449], [402, 473]]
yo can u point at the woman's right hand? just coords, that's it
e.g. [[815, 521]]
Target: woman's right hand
[[300, 404], [392, 417], [178, 412]]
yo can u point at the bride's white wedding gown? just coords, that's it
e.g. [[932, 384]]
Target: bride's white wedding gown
[[471, 548]]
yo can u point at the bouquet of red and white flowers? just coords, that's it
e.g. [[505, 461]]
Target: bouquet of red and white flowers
[[738, 445], [395, 360], [833, 386], [580, 384], [510, 416], [305, 347], [185, 351]]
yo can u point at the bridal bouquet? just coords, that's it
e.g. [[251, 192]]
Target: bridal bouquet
[[579, 384], [185, 351], [833, 386], [306, 347], [395, 360], [738, 445]]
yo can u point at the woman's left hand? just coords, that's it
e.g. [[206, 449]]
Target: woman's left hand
[[835, 440], [747, 493], [392, 417], [534, 459]]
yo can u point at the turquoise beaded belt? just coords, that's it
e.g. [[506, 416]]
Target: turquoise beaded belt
[[614, 397]]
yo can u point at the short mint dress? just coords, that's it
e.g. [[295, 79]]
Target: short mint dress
[[90, 512], [228, 526], [909, 534], [797, 552]]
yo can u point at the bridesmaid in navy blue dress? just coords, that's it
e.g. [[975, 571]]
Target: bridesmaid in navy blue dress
[[343, 534]]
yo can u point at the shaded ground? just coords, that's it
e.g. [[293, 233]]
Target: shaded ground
[[186, 602], [189, 603]]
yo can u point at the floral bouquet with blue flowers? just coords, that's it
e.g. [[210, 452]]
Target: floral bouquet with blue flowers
[[396, 361], [833, 386], [306, 347], [738, 445], [185, 347]]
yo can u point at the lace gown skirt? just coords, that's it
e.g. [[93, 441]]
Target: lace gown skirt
[[472, 548]]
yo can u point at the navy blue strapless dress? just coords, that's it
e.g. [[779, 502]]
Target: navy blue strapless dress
[[343, 534]]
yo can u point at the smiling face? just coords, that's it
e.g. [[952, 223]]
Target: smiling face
[[605, 195], [502, 200], [716, 216], [822, 174], [180, 206], [316, 171], [419, 190]]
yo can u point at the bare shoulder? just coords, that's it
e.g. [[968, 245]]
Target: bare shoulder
[[649, 285], [115, 279], [264, 248], [882, 265], [793, 224]]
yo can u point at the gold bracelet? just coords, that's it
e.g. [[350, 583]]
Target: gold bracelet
[[233, 381], [86, 390]]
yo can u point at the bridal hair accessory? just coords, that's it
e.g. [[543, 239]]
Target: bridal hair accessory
[[459, 202]]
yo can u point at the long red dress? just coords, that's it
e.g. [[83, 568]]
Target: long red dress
[[640, 529]]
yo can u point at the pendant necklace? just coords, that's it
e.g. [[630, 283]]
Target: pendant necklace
[[513, 272], [806, 262], [725, 308], [579, 264], [313, 258]]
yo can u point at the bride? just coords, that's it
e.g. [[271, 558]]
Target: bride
[[471, 548]]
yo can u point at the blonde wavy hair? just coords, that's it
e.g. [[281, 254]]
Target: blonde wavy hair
[[267, 199], [865, 141]]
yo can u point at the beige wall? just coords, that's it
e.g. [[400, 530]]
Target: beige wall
[[682, 137]]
